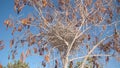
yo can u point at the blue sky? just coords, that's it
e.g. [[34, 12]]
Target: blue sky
[[6, 9]]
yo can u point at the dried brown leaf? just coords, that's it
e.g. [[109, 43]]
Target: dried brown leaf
[[89, 37], [14, 29], [107, 59], [7, 23], [20, 28], [25, 21], [88, 2], [2, 47], [118, 10], [44, 2], [47, 58], [104, 27], [20, 8], [46, 49], [11, 43], [1, 42], [61, 2], [103, 9]]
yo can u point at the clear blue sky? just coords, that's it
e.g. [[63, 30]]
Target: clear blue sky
[[6, 8]]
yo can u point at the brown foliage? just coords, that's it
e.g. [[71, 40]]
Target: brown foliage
[[18, 5], [71, 64], [98, 3], [20, 28], [14, 29], [104, 27], [47, 58], [8, 23], [2, 47], [107, 59], [11, 43], [44, 2], [1, 42], [25, 21], [25, 2], [88, 2], [61, 2], [103, 10], [118, 10], [89, 37]]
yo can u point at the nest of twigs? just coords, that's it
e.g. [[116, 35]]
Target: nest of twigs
[[59, 33]]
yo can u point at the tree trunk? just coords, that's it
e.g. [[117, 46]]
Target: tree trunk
[[65, 62]]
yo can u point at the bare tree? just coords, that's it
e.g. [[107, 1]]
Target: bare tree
[[76, 29]]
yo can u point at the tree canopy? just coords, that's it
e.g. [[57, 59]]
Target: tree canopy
[[66, 31]]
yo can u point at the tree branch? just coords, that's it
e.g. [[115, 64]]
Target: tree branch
[[89, 56], [86, 57]]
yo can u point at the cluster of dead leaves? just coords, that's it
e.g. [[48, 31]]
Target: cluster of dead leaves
[[26, 21], [106, 47], [44, 2], [18, 6], [8, 23], [47, 58], [31, 39], [88, 2], [98, 3], [63, 2]]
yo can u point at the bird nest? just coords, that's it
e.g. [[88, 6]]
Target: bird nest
[[59, 33]]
